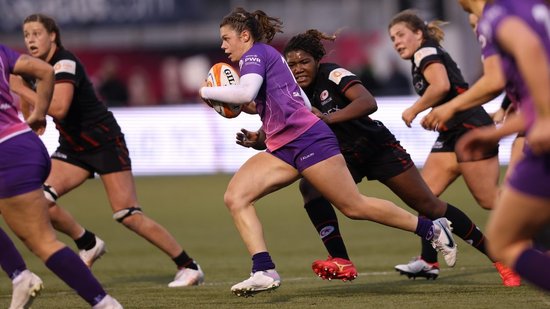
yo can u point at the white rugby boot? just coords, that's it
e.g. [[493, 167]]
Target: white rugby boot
[[259, 281]]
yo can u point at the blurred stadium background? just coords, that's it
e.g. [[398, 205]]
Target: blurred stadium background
[[164, 43], [152, 55], [147, 57]]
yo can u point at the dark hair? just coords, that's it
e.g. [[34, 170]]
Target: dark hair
[[431, 30], [49, 23], [310, 42], [261, 26]]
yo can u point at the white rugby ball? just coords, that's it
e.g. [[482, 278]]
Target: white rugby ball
[[223, 74]]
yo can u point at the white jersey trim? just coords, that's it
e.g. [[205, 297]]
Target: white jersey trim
[[14, 134], [422, 53], [65, 66]]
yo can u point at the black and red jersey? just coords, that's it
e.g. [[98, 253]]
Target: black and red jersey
[[327, 94], [431, 52], [88, 124], [428, 53]]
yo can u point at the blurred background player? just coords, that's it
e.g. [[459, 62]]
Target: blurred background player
[[299, 145], [518, 31], [91, 141], [24, 167], [437, 79], [487, 87]]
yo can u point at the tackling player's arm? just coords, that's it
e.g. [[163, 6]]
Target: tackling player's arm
[[362, 103], [251, 139]]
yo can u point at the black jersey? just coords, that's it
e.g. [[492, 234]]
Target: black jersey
[[88, 124], [431, 52], [428, 53], [369, 148], [328, 95]]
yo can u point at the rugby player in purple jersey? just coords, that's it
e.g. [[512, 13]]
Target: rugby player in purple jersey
[[298, 144], [519, 31], [24, 167]]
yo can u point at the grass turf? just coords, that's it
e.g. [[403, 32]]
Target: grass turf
[[191, 207]]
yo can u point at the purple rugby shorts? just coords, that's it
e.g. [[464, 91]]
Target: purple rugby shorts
[[316, 144], [25, 165], [531, 175]]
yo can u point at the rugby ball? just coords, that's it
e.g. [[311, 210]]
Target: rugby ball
[[223, 74]]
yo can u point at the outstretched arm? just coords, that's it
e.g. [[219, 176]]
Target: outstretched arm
[[489, 86]]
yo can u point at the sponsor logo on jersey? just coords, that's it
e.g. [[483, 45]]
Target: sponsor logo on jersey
[[437, 145], [65, 66], [482, 40], [336, 75], [252, 59], [327, 230], [60, 155], [419, 85], [423, 53], [324, 95]]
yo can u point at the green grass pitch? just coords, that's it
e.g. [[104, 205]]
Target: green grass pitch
[[191, 207]]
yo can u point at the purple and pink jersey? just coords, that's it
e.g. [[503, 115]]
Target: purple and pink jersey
[[536, 14], [279, 102], [10, 123]]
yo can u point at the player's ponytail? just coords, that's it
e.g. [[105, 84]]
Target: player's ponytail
[[268, 26], [261, 26]]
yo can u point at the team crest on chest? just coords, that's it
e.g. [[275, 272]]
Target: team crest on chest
[[324, 95]]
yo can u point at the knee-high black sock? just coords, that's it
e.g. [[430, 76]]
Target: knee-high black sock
[[323, 217], [464, 228]]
